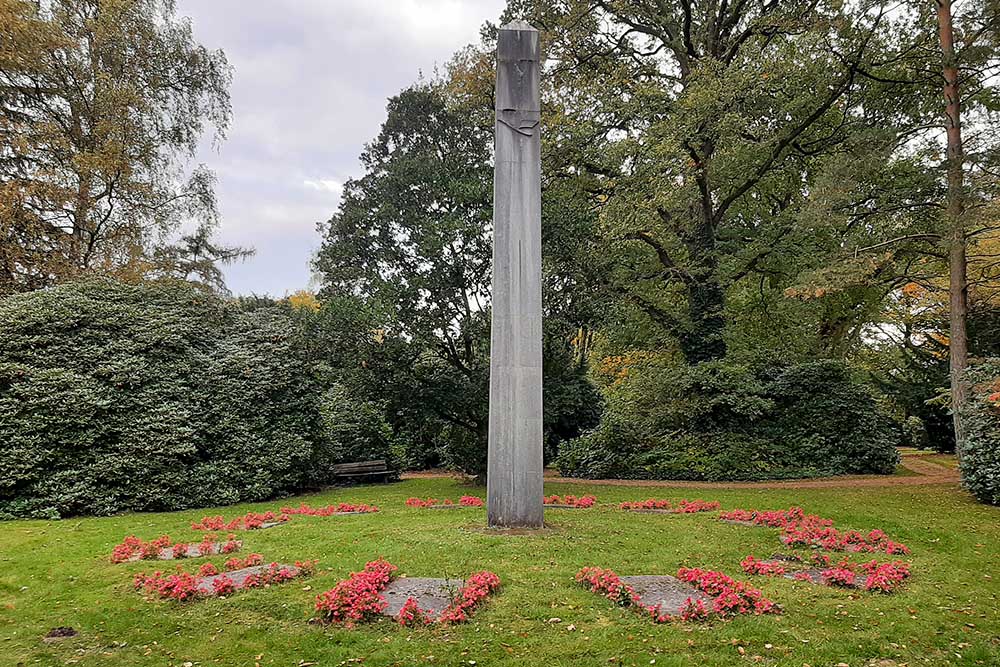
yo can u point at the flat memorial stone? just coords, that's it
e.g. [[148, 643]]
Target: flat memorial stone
[[238, 577], [669, 593], [432, 595], [798, 569], [193, 551]]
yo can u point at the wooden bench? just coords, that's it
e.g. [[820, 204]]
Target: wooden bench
[[377, 468]]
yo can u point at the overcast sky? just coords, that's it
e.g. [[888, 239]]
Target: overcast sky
[[309, 90]]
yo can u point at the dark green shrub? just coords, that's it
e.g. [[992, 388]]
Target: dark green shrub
[[980, 456], [153, 396], [719, 421], [824, 417], [356, 430]]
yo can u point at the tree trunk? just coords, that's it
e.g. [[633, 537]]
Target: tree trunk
[[957, 282], [703, 340]]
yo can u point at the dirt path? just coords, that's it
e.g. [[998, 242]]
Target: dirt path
[[925, 472]]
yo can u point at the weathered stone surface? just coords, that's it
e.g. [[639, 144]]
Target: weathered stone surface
[[669, 593], [514, 493], [432, 595]]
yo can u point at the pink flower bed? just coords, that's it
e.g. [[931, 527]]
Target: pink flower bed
[[793, 516], [683, 507], [464, 501], [751, 565], [132, 548], [330, 510], [885, 577], [801, 529], [879, 577], [607, 583], [183, 586], [359, 598], [831, 539], [477, 587], [691, 506], [648, 504], [730, 596], [572, 501], [250, 521], [254, 520]]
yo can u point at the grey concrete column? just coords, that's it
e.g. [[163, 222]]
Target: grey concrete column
[[514, 481]]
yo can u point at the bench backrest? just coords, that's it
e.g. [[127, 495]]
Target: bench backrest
[[378, 465]]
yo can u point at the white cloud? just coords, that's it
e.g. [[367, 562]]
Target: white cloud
[[309, 90], [324, 185]]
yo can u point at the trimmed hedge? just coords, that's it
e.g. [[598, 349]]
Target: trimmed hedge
[[980, 456], [150, 396], [720, 422]]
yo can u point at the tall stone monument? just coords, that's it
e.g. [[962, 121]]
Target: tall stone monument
[[514, 481]]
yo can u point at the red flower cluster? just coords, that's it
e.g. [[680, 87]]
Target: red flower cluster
[[831, 539], [466, 501], [793, 516], [250, 521], [691, 506], [180, 586], [359, 597], [582, 501], [237, 564], [731, 596], [751, 565], [276, 574], [329, 510], [207, 570], [184, 586], [223, 585], [254, 520], [879, 577], [476, 588], [608, 584], [412, 615], [885, 577], [838, 576], [429, 502], [132, 548], [648, 504]]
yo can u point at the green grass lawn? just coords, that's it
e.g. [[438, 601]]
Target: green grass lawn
[[58, 573]]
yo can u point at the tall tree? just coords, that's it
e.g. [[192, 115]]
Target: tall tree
[[406, 262], [104, 103], [700, 126], [412, 235], [958, 290]]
